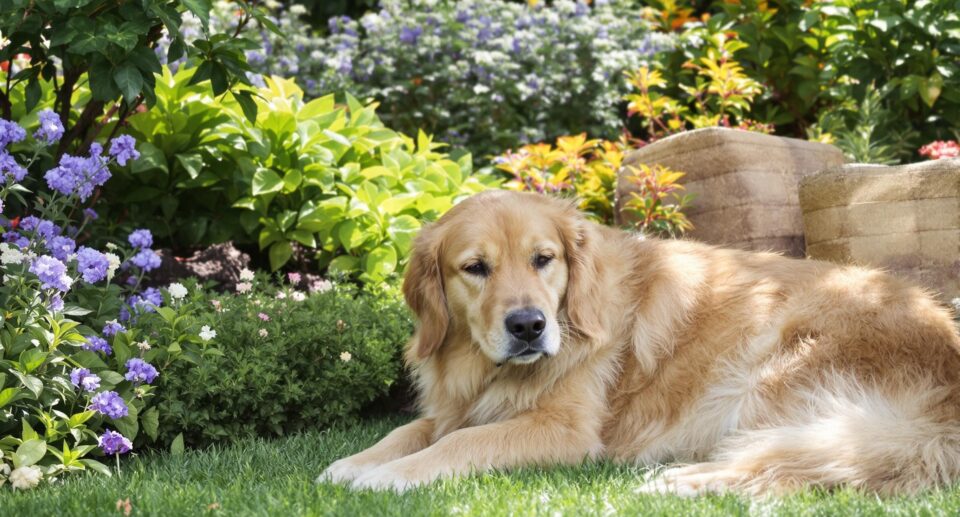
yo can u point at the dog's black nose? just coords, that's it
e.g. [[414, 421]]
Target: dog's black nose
[[525, 324]]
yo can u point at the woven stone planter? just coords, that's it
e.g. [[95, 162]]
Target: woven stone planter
[[745, 184], [905, 219]]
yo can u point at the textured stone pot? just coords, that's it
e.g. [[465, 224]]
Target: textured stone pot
[[905, 219], [745, 184]]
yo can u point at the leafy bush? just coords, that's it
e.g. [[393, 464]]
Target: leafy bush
[[822, 61], [318, 175], [109, 46], [65, 387], [481, 74], [291, 362]]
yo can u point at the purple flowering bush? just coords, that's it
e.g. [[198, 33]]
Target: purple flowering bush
[[483, 74], [82, 344]]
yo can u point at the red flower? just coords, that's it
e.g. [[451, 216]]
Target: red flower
[[941, 149]]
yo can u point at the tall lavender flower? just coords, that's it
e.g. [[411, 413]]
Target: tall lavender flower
[[82, 378], [112, 442], [92, 264], [51, 129], [52, 273], [141, 238], [109, 403], [139, 371], [61, 247], [124, 148], [10, 132], [10, 169], [98, 344]]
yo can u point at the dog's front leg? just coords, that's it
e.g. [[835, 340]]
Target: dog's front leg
[[529, 439], [404, 440]]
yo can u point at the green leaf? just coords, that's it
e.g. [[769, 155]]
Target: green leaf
[[129, 80], [32, 383], [176, 448], [77, 419], [930, 89], [349, 234], [150, 421], [32, 94], [265, 181], [192, 163], [128, 425], [280, 253], [31, 359], [97, 466], [304, 237], [201, 8], [31, 451], [9, 395], [380, 262], [344, 264], [247, 104]]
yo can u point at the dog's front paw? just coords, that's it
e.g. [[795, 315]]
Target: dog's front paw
[[689, 481], [344, 471], [390, 477]]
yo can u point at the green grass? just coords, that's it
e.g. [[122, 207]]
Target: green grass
[[277, 478]]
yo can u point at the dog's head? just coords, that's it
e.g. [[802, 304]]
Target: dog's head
[[514, 271]]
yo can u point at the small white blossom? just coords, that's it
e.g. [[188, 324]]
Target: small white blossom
[[25, 477], [206, 333], [177, 291], [298, 296], [246, 274], [321, 286], [144, 346], [244, 287], [281, 295], [345, 356], [10, 254], [114, 264], [263, 333]]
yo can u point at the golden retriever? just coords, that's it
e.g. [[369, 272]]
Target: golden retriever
[[547, 339]]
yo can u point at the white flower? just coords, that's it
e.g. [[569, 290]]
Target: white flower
[[297, 10], [114, 264], [321, 286], [111, 246], [206, 333], [246, 274], [10, 254], [144, 346], [345, 356], [25, 477], [281, 295], [244, 287], [177, 291], [298, 296], [263, 333]]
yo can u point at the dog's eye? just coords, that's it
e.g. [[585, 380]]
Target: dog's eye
[[476, 268], [542, 260]]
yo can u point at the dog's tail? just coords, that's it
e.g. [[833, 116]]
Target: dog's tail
[[856, 437]]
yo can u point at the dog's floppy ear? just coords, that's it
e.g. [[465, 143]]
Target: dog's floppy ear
[[423, 290], [583, 299]]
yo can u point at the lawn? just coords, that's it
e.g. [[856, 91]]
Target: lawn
[[277, 478]]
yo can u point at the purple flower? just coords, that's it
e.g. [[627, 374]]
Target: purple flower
[[109, 403], [51, 129], [112, 328], [61, 247], [55, 303], [112, 442], [147, 301], [98, 344], [82, 378], [9, 168], [79, 176], [124, 148], [45, 229], [91, 214], [92, 264], [147, 260], [10, 132], [410, 35], [141, 238], [16, 239], [153, 296], [139, 371], [52, 273]]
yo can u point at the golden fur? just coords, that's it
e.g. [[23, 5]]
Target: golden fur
[[761, 373]]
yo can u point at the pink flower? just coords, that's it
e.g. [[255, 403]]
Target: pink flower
[[263, 317], [941, 149], [294, 278]]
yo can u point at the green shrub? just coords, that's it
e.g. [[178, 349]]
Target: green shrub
[[288, 365], [323, 176], [822, 62]]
